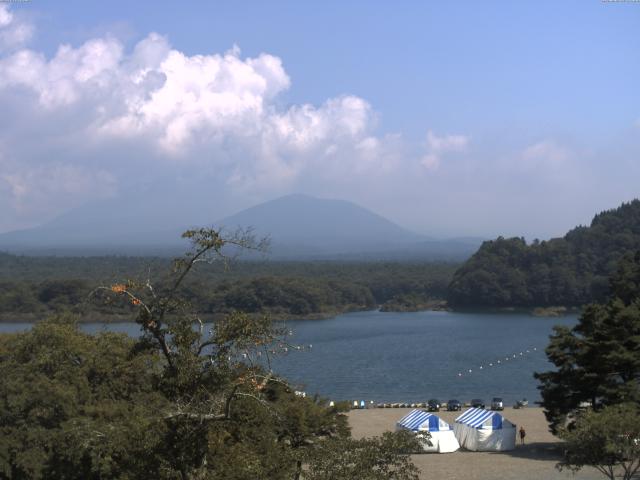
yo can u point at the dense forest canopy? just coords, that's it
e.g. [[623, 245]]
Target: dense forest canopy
[[592, 396], [597, 360], [570, 271], [37, 286]]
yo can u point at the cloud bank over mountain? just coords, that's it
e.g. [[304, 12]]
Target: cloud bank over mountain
[[105, 117], [88, 118]]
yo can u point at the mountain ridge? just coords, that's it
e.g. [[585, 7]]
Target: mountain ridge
[[300, 226]]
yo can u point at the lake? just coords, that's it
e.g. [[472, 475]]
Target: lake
[[410, 357]]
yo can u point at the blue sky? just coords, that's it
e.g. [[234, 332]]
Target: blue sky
[[479, 118]]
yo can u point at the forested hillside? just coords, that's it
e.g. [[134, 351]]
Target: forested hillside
[[568, 271], [34, 287]]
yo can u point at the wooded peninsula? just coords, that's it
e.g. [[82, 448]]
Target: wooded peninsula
[[34, 287]]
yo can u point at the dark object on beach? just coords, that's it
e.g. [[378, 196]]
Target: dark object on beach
[[497, 404], [454, 406], [522, 435], [433, 405], [521, 403], [477, 403]]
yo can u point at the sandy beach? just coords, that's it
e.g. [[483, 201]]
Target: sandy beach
[[534, 460]]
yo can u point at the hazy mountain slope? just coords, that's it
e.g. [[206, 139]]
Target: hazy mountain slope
[[143, 218], [571, 270], [300, 227], [321, 224]]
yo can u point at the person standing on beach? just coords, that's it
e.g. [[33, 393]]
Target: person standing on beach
[[522, 435]]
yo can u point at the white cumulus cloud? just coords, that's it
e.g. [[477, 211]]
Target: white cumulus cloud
[[5, 16], [437, 147], [14, 32], [547, 155], [68, 76], [102, 113]]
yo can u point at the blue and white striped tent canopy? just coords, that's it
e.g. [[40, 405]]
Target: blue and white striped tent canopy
[[479, 418], [419, 420]]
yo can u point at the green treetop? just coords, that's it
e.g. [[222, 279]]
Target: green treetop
[[598, 360]]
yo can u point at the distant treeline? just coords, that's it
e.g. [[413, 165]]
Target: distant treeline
[[569, 271], [37, 286]]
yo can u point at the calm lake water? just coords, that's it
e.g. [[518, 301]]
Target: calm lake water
[[410, 357]]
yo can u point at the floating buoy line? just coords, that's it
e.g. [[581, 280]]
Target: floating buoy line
[[499, 362], [280, 349]]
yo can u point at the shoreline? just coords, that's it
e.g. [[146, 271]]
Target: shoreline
[[542, 312]]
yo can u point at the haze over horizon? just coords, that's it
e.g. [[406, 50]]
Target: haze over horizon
[[468, 119]]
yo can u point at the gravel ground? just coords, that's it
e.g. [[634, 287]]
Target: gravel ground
[[535, 460]]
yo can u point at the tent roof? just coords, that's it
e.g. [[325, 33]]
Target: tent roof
[[479, 417], [420, 420]]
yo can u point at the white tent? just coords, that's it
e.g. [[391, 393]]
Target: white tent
[[442, 438], [484, 431]]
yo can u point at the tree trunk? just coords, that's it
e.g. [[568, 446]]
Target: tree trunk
[[298, 470]]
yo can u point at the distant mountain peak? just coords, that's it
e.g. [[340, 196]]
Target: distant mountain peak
[[300, 226], [303, 219]]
